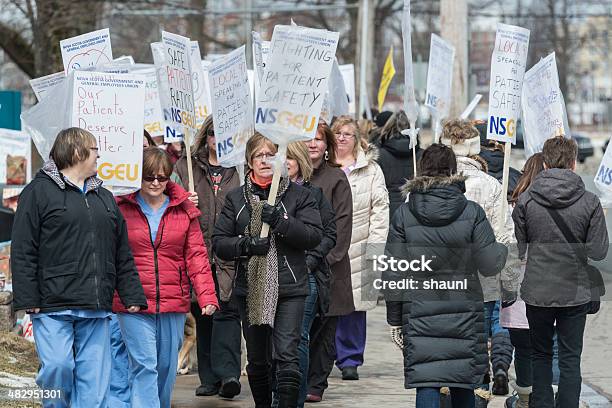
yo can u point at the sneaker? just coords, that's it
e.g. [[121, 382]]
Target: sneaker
[[350, 373], [482, 398], [206, 390], [230, 387], [500, 383], [313, 398]]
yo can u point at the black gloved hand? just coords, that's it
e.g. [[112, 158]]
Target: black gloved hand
[[258, 246], [311, 263], [272, 215]]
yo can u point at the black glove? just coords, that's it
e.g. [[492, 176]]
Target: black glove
[[257, 246], [272, 215], [311, 263]]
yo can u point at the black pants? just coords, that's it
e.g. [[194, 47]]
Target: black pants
[[570, 322], [322, 353], [280, 343], [522, 356], [218, 342]]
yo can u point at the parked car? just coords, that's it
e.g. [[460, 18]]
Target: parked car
[[585, 147]]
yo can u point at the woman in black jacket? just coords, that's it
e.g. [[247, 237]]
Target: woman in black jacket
[[443, 334], [271, 273], [300, 171], [69, 254]]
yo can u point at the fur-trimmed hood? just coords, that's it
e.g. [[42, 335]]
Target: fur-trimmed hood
[[367, 157], [425, 183]]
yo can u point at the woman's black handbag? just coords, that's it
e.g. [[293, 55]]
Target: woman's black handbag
[[598, 288]]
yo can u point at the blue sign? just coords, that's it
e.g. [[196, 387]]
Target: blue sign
[[10, 110]]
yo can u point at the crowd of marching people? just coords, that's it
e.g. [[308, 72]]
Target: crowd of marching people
[[109, 281]]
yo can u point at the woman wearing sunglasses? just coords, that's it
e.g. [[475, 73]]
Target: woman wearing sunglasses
[[165, 238]]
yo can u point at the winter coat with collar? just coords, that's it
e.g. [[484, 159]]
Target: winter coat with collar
[[337, 190], [370, 224], [303, 232], [70, 250], [395, 161], [551, 262], [211, 205], [487, 192], [322, 272], [176, 257], [444, 334]]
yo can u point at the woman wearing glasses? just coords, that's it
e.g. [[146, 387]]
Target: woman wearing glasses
[[169, 252], [370, 227], [271, 273]]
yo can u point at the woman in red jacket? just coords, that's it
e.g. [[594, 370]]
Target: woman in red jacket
[[169, 252]]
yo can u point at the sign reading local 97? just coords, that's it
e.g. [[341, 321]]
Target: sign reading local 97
[[111, 107], [507, 70], [294, 83]]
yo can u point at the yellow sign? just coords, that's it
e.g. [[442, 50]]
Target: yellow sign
[[385, 81]]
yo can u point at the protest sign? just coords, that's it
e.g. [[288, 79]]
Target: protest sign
[[42, 85], [387, 76], [153, 116], [471, 106], [542, 105], [15, 157], [111, 107], [232, 106], [171, 134], [86, 50], [603, 178], [439, 80], [261, 50], [410, 104], [201, 92], [348, 76], [335, 102], [294, 83], [507, 70]]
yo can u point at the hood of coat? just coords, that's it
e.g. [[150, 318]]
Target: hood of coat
[[494, 159], [436, 201], [364, 159], [51, 170], [177, 197], [557, 188], [398, 146]]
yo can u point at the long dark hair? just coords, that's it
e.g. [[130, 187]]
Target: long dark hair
[[330, 140], [533, 166], [438, 160]]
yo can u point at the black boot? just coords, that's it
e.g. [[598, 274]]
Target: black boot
[[261, 388], [288, 387]]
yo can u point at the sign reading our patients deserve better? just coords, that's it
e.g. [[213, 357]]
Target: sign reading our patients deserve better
[[507, 70], [232, 106], [111, 107], [294, 83], [178, 74], [86, 50]]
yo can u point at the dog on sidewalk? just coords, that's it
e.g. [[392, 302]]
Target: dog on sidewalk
[[188, 354]]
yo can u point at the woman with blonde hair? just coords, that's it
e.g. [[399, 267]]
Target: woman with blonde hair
[[370, 226], [271, 283]]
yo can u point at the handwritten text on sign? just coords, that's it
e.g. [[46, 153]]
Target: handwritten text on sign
[[111, 107], [231, 101], [86, 50], [294, 82], [178, 72], [507, 70]]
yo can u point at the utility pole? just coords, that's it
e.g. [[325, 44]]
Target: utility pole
[[364, 70], [454, 23]]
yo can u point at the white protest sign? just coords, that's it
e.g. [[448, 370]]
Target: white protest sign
[[294, 83], [261, 50], [603, 178], [470, 108], [42, 85], [410, 104], [542, 105], [439, 80], [171, 134], [507, 70], [232, 106], [86, 50], [15, 157], [177, 64], [348, 76], [201, 92], [153, 115], [111, 107]]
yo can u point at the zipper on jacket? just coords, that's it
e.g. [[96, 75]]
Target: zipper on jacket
[[93, 240], [181, 281], [290, 270]]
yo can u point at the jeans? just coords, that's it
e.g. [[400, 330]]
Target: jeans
[[119, 395], [570, 322], [523, 357], [430, 397], [153, 342], [310, 308], [322, 353], [501, 347], [75, 358]]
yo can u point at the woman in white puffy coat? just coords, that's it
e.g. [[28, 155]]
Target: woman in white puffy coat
[[370, 228]]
